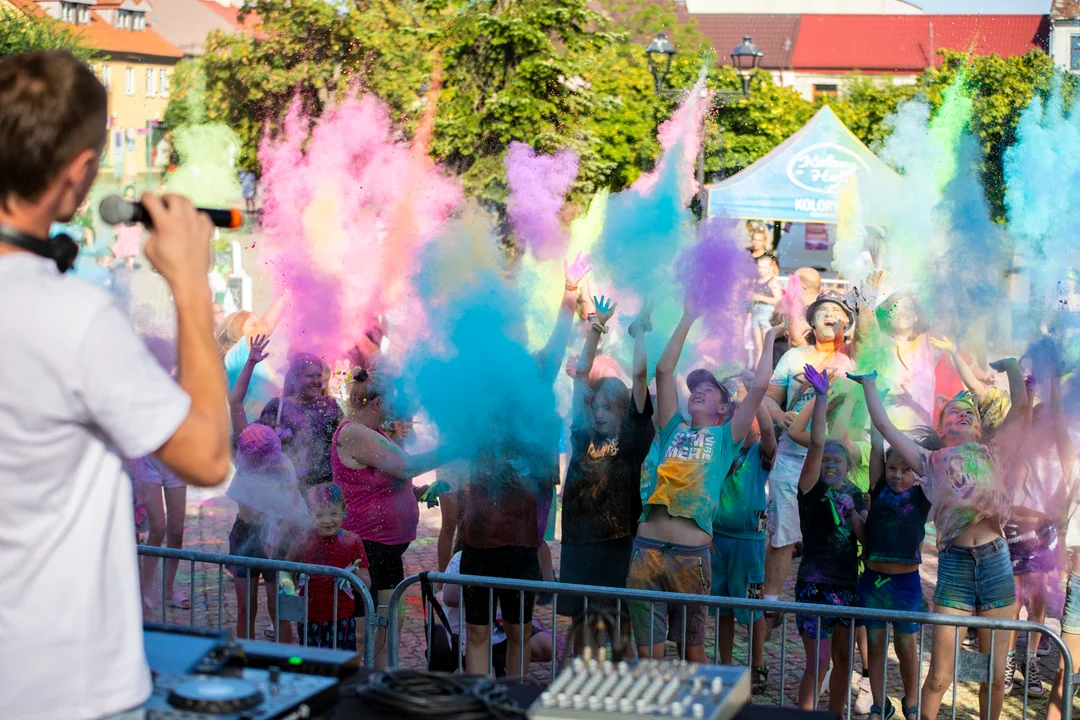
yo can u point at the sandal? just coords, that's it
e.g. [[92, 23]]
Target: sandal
[[759, 680], [889, 711], [179, 601], [911, 712], [269, 632]]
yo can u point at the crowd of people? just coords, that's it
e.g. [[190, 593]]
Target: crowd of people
[[715, 495]]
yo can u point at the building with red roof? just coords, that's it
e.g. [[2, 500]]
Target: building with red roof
[[135, 64]]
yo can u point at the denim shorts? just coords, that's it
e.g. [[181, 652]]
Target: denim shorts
[[975, 579], [668, 567], [738, 571], [1070, 616], [881, 591]]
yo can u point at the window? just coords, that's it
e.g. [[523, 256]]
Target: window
[[163, 83], [149, 83], [1074, 52], [140, 21], [129, 81], [68, 12], [825, 91], [106, 76], [84, 15]]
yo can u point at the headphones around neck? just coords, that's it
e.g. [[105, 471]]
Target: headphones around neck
[[60, 248]]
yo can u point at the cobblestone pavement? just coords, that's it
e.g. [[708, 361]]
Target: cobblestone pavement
[[210, 516]]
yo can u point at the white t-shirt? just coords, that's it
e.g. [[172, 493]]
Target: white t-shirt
[[790, 375], [78, 391]]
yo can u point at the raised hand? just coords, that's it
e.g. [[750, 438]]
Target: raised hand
[[576, 271], [1002, 365], [943, 344], [777, 330], [643, 321], [257, 344], [818, 380], [605, 308], [863, 379]]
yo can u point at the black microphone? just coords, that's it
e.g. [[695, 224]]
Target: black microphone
[[115, 210]]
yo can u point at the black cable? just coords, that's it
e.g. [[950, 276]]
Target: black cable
[[412, 693]]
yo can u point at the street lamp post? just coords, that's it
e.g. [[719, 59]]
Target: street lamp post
[[745, 59]]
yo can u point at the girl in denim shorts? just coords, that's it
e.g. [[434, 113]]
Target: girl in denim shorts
[[964, 479]]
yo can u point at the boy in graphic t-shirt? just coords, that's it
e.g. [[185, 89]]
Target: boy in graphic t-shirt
[[672, 548]]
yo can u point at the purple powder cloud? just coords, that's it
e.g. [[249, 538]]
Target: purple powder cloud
[[538, 185]]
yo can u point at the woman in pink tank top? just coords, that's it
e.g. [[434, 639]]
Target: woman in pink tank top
[[375, 477]]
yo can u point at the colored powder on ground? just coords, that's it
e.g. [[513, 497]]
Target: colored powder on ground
[[538, 186], [206, 173], [346, 210]]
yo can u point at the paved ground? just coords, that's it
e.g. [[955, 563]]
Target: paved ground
[[210, 516]]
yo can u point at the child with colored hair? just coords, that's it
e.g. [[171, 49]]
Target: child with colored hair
[[328, 544], [892, 535], [829, 571]]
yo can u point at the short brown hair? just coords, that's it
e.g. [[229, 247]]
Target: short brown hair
[[52, 108]]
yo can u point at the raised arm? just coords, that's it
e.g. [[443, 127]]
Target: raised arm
[[638, 328], [967, 376], [1011, 433], [550, 356], [811, 469], [744, 415], [604, 309], [368, 447], [667, 393], [257, 345], [270, 319], [800, 429], [768, 435], [877, 456], [908, 448]]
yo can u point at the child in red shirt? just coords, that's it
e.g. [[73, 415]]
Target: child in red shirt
[[327, 544]]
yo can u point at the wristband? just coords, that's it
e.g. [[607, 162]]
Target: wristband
[[571, 288], [600, 328]]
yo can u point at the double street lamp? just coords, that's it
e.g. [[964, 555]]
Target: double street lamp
[[745, 59]]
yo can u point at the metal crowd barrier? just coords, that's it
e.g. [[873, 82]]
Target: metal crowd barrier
[[967, 666], [289, 608]]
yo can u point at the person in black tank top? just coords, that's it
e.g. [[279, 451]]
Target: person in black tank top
[[892, 536]]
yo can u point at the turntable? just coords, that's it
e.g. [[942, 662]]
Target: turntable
[[249, 694]]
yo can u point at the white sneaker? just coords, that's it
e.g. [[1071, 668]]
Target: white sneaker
[[864, 683], [863, 703]]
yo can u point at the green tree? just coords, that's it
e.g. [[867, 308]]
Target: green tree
[[187, 95], [312, 51], [864, 103], [1000, 90], [21, 33]]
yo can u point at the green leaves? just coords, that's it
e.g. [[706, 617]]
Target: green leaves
[[21, 33]]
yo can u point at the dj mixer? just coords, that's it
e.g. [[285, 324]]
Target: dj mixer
[[644, 690]]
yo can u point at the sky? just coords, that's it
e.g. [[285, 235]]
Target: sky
[[1022, 7]]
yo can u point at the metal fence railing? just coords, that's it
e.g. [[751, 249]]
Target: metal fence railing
[[968, 666], [290, 608]]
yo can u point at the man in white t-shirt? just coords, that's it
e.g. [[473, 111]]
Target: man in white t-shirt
[[829, 317], [79, 391]]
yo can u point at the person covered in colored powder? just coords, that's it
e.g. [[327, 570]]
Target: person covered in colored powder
[[611, 432], [738, 538], [326, 543], [828, 504], [892, 535], [681, 487], [830, 317], [904, 343], [375, 476], [508, 494], [306, 418], [269, 509], [965, 480]]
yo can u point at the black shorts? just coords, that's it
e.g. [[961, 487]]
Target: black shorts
[[386, 569], [518, 563], [605, 563], [248, 540]]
